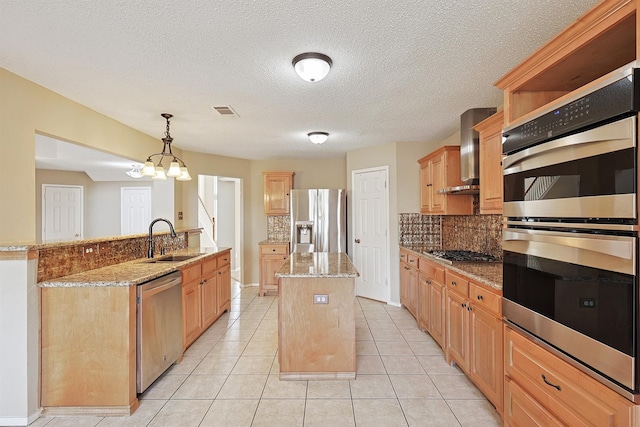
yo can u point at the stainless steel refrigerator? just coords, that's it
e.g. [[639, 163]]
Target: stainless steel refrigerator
[[318, 220]]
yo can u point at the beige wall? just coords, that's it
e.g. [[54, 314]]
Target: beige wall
[[26, 108]]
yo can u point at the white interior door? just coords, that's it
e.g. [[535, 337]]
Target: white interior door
[[135, 210], [370, 232], [62, 213]]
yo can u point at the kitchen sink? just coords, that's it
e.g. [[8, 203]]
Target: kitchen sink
[[172, 258]]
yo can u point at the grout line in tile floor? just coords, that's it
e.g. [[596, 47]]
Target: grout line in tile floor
[[228, 377]]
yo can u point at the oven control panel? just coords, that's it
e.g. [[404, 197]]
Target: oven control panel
[[611, 102]]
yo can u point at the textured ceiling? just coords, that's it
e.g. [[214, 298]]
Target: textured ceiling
[[403, 70]]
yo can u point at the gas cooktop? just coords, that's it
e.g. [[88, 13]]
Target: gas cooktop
[[461, 256]]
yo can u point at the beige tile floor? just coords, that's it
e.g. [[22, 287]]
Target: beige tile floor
[[229, 377]]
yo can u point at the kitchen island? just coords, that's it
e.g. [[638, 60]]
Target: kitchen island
[[316, 317], [89, 328]]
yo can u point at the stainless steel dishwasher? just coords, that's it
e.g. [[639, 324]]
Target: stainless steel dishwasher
[[159, 327]]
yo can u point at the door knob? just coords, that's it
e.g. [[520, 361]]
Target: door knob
[[357, 240]]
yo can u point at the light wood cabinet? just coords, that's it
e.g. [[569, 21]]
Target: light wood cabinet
[[206, 290], [490, 148], [431, 300], [438, 170], [277, 189], [271, 258], [600, 41], [474, 334], [540, 387], [88, 357], [223, 284], [409, 282]]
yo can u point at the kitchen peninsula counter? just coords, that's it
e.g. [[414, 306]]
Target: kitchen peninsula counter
[[316, 317]]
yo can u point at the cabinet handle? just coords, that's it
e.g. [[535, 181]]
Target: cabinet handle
[[550, 384], [412, 260], [469, 308], [463, 305], [429, 185], [271, 249], [454, 283], [480, 298], [428, 282]]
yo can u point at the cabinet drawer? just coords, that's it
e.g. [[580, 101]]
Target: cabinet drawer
[[482, 297], [209, 265], [224, 259], [431, 270], [457, 283], [191, 272], [570, 395], [412, 260], [274, 249]]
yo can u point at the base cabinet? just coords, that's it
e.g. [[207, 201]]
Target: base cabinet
[[542, 388], [206, 292], [474, 334], [409, 282], [271, 258]]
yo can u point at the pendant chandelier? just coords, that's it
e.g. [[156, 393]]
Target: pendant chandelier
[[177, 168]]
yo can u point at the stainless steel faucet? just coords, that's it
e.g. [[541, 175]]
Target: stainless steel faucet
[[173, 234]]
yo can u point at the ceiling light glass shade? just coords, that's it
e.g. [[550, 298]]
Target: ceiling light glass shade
[[174, 169], [184, 174], [159, 174], [318, 137], [312, 66], [135, 172], [149, 168]]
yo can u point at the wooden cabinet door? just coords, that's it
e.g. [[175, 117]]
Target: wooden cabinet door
[[412, 292], [486, 356], [458, 330], [438, 179], [404, 284], [192, 320], [277, 187], [423, 302], [209, 299], [436, 312], [269, 265], [491, 179], [223, 284], [425, 187]]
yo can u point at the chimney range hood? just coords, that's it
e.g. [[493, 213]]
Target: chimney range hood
[[469, 151]]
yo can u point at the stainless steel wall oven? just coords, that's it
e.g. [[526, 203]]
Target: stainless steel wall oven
[[571, 237]]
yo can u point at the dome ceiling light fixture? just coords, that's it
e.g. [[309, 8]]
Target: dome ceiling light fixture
[[318, 137], [181, 173], [312, 66]]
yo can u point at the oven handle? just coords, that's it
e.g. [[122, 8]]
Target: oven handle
[[604, 139], [606, 252]]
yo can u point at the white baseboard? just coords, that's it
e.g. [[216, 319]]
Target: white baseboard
[[19, 421], [395, 304]]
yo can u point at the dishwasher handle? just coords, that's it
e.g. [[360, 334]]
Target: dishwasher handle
[[160, 284]]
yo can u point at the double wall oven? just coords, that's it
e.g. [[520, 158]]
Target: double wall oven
[[571, 237]]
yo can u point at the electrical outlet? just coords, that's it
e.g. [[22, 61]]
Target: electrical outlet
[[320, 299]]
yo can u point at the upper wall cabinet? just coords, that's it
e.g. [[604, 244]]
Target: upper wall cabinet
[[597, 43], [277, 188], [490, 131], [438, 170]]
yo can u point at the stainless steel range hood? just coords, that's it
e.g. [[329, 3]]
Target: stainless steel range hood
[[469, 151]]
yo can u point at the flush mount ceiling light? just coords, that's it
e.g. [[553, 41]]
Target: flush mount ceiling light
[[181, 173], [135, 171], [312, 66], [318, 137]]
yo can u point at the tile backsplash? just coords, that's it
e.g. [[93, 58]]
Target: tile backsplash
[[279, 227], [478, 233], [60, 260]]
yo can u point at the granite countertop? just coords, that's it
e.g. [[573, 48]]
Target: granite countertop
[[129, 273], [487, 273], [317, 264], [274, 242]]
